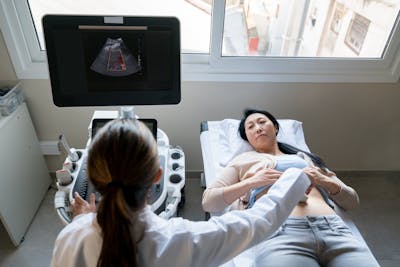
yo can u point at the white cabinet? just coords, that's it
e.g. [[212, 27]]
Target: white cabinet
[[24, 177]]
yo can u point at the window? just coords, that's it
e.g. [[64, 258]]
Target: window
[[240, 40], [305, 28], [195, 23]]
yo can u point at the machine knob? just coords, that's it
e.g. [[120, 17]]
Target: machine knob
[[175, 178], [64, 177]]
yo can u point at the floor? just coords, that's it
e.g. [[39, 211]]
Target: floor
[[378, 216], [377, 219]]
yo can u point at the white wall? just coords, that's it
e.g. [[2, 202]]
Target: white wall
[[352, 126]]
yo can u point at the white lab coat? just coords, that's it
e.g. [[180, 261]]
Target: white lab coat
[[179, 242]]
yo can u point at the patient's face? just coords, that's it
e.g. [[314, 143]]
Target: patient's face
[[260, 132]]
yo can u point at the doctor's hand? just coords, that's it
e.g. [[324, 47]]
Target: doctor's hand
[[81, 206], [264, 177]]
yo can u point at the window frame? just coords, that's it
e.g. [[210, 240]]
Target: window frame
[[30, 62]]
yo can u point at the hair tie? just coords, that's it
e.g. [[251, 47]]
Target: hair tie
[[114, 184]]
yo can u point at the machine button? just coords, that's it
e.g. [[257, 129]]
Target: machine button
[[175, 166], [176, 155]]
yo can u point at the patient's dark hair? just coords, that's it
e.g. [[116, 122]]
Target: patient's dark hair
[[122, 163], [285, 148]]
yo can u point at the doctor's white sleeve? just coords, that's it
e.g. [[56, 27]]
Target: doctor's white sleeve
[[221, 238]]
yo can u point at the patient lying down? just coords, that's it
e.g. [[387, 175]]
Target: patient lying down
[[313, 235]]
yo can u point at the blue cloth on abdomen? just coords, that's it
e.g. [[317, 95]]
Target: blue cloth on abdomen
[[283, 163]]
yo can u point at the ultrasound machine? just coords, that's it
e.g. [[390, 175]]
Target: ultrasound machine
[[115, 61]]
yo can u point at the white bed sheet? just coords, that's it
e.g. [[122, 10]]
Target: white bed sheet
[[221, 142]]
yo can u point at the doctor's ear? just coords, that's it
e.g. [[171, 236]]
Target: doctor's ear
[[157, 177]]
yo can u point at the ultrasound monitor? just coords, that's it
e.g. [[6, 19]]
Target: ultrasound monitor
[[111, 60]]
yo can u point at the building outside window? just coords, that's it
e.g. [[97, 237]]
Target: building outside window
[[355, 36]]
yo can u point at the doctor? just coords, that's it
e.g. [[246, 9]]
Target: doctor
[[122, 165]]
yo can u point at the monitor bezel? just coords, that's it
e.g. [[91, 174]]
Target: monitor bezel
[[85, 98]]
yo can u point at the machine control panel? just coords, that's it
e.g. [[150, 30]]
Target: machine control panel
[[164, 197]]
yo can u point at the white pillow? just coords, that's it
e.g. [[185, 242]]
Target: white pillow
[[229, 144]]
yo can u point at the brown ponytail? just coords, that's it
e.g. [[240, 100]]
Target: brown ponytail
[[122, 163]]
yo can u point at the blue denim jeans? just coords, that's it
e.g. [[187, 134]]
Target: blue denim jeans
[[314, 241]]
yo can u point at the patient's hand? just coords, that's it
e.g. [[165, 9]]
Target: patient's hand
[[319, 177], [315, 175], [81, 206], [264, 177]]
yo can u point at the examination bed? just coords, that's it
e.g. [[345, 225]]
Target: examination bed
[[220, 143]]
